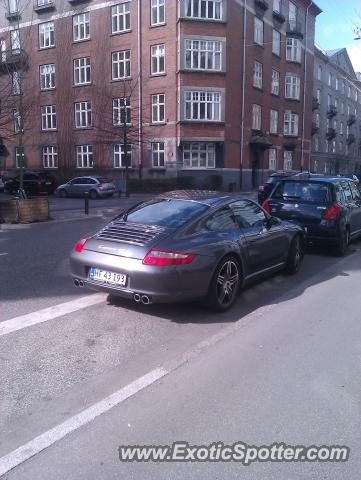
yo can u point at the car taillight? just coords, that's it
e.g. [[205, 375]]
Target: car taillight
[[333, 212], [166, 257], [266, 206], [78, 247]]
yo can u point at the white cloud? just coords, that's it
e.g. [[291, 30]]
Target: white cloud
[[354, 53]]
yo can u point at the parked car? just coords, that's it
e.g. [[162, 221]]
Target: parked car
[[95, 186], [328, 208], [351, 176], [35, 183], [265, 189], [185, 245], [2, 185]]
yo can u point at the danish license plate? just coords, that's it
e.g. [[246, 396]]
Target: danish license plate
[[104, 276]]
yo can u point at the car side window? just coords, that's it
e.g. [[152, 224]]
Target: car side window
[[355, 191], [248, 214], [347, 191], [220, 221], [91, 181], [75, 181]]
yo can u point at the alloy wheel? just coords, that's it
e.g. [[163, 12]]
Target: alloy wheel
[[227, 282]]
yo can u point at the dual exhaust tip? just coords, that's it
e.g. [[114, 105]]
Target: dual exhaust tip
[[78, 283], [138, 298]]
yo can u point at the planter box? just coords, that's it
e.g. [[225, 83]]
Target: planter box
[[24, 211]]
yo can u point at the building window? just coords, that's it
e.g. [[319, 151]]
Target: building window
[[273, 121], [336, 103], [329, 79], [83, 115], [50, 157], [272, 158], [292, 87], [158, 108], [336, 83], [317, 120], [318, 95], [276, 42], [15, 41], [203, 55], [329, 100], [290, 123], [48, 117], [157, 149], [204, 106], [287, 160], [293, 50], [341, 147], [47, 76], [319, 73], [158, 59], [19, 157], [82, 71], [13, 6], [81, 27], [121, 18], [348, 91], [157, 12], [199, 155], [316, 143], [275, 86], [257, 74], [121, 64], [15, 83], [84, 156], [292, 13], [342, 107], [277, 6], [256, 117], [341, 128], [46, 35], [258, 31], [205, 9], [120, 160], [122, 111], [17, 121]]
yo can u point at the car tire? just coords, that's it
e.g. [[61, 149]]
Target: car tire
[[295, 256], [63, 193], [93, 194], [225, 284], [343, 243]]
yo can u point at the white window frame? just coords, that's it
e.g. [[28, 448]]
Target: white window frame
[[82, 71], [199, 155], [84, 156], [49, 155], [256, 117], [121, 64], [290, 124], [276, 42], [212, 9], [273, 121], [292, 86], [17, 121], [119, 155], [276, 6], [329, 81], [319, 72], [158, 154], [257, 74], [158, 108], [118, 106], [17, 156], [157, 59], [272, 159], [316, 144], [83, 114], [15, 40], [292, 12], [202, 106], [157, 13], [203, 55], [341, 128], [121, 18], [258, 31], [293, 50], [288, 160], [81, 27], [15, 82], [275, 82], [13, 6], [48, 117], [47, 76], [317, 120], [46, 35], [318, 95]]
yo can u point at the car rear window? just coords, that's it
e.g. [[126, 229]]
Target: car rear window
[[169, 213], [307, 191], [104, 180]]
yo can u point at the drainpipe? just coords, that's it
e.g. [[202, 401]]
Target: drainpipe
[[140, 93], [304, 96], [243, 92]]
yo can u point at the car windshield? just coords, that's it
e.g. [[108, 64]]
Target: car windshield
[[307, 191], [170, 213]]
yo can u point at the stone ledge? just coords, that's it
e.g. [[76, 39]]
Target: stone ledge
[[24, 211]]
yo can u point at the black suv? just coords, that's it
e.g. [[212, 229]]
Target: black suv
[[34, 183], [265, 189], [328, 208]]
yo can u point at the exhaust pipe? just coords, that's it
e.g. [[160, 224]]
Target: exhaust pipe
[[76, 282], [137, 297], [146, 300], [81, 283]]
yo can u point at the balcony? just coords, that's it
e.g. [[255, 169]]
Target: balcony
[[11, 61], [351, 119], [315, 104], [315, 128], [350, 138], [14, 15], [331, 111], [331, 134], [43, 6], [76, 2], [261, 5], [294, 29], [278, 17]]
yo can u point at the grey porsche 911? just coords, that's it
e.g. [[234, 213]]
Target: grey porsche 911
[[186, 245]]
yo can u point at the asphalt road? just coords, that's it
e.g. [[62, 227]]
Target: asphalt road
[[281, 366]]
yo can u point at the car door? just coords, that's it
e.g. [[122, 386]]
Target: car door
[[356, 209], [74, 186], [352, 208], [267, 242]]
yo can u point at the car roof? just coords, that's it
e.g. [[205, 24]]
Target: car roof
[[315, 179], [208, 197]]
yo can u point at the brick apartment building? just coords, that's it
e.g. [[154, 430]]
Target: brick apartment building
[[208, 87], [336, 146]]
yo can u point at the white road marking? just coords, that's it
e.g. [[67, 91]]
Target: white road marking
[[43, 441], [2, 254], [41, 316]]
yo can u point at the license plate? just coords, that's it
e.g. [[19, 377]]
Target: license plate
[[104, 276]]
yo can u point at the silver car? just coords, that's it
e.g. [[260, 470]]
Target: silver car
[[95, 186], [186, 245]]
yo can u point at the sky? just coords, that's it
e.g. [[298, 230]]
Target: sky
[[335, 27]]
